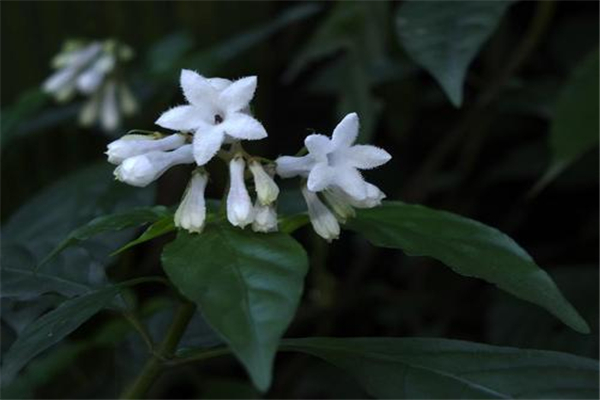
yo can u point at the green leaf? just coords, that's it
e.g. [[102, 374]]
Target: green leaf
[[410, 368], [247, 285], [53, 327], [11, 117], [161, 227], [470, 248], [113, 222], [39, 225], [444, 37], [575, 127]]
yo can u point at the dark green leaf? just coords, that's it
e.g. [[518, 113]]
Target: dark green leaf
[[11, 117], [113, 222], [444, 36], [410, 368], [38, 226], [54, 327], [575, 127], [161, 227], [470, 248], [247, 286]]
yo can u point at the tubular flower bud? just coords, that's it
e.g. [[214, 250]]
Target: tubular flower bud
[[239, 206], [340, 203], [191, 213], [266, 188], [134, 145], [321, 218], [265, 218], [143, 169]]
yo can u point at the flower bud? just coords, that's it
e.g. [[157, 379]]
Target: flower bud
[[321, 218], [110, 117], [339, 203], [143, 169], [265, 218], [191, 213], [373, 198], [266, 188], [239, 206], [134, 145]]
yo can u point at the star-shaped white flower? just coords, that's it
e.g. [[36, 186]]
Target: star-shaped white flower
[[335, 162], [217, 111]]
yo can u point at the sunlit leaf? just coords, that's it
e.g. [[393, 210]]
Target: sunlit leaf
[[247, 286], [470, 248]]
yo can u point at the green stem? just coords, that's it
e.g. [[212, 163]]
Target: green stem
[[155, 364]]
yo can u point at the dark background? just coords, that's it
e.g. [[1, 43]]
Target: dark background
[[353, 289]]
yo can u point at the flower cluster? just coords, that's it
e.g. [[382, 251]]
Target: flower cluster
[[213, 123], [92, 70]]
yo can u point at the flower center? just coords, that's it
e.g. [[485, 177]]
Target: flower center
[[218, 119]]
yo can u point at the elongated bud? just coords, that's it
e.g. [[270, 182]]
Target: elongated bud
[[110, 117], [90, 80], [143, 169], [134, 145], [239, 206], [339, 203], [191, 213], [373, 199], [321, 218], [127, 100], [266, 188], [89, 111], [265, 218]]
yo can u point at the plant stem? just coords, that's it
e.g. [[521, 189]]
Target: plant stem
[[154, 365]]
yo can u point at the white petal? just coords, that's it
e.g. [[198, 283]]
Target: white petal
[[183, 118], [197, 89], [320, 177], [207, 144], [219, 83], [318, 146], [191, 213], [242, 126], [346, 131], [238, 95], [288, 166], [59, 80], [366, 156], [350, 181], [322, 219]]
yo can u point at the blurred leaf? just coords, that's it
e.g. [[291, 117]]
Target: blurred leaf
[[54, 327], [247, 286], [409, 368], [39, 225], [112, 222], [470, 248], [161, 227], [443, 37], [575, 127], [19, 314], [11, 117]]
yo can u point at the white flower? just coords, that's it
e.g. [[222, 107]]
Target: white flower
[[335, 162], [265, 218], [141, 170], [135, 145], [321, 218], [239, 206], [217, 111], [191, 213], [266, 188], [339, 203]]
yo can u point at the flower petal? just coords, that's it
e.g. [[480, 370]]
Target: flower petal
[[197, 89], [242, 126], [350, 181], [219, 83], [346, 131], [318, 146], [320, 177], [183, 118], [367, 156], [237, 95], [206, 144], [288, 166]]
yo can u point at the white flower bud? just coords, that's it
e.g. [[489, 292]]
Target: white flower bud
[[266, 188], [373, 199], [339, 203], [265, 218], [321, 218], [239, 206], [141, 170], [110, 117], [191, 213], [128, 102], [90, 80], [134, 145], [89, 112]]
